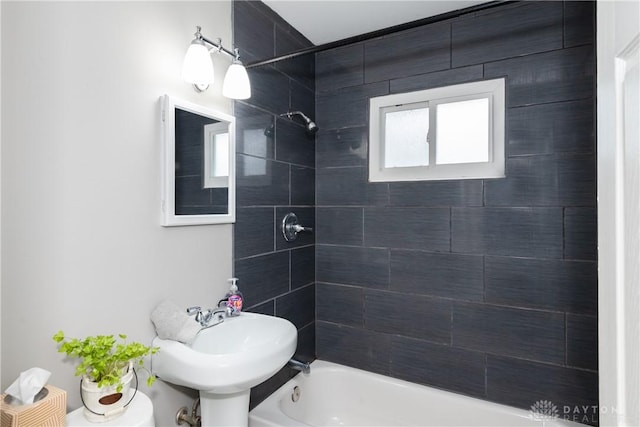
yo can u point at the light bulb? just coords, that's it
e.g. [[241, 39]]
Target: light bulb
[[236, 83], [197, 67]]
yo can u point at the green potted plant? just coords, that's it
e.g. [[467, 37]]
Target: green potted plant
[[107, 370]]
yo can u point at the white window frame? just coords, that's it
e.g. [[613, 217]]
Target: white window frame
[[493, 90]]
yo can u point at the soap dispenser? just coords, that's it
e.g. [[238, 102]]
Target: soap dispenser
[[234, 298]]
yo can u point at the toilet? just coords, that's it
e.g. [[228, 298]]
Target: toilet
[[139, 413]]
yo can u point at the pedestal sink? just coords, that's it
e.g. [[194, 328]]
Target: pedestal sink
[[224, 361]]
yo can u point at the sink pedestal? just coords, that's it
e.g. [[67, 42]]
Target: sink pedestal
[[224, 410]]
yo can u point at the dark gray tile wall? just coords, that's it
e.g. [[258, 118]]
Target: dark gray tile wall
[[517, 31], [507, 231], [438, 365], [484, 287], [519, 382], [419, 50], [275, 175], [439, 274]]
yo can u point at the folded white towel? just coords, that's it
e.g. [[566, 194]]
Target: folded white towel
[[173, 323]]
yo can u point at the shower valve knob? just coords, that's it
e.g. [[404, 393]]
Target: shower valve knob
[[291, 227]]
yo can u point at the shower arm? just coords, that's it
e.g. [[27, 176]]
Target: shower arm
[[296, 113], [311, 126]]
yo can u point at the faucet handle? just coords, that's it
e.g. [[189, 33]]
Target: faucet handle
[[205, 316], [291, 227], [194, 310], [298, 228]]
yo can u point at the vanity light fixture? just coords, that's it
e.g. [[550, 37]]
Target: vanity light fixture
[[197, 68]]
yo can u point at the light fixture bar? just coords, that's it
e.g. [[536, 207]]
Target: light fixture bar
[[382, 32], [218, 45]]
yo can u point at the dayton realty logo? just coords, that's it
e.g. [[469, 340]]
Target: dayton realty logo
[[543, 410]]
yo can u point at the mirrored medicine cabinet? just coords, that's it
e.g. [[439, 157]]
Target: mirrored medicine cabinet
[[198, 164]]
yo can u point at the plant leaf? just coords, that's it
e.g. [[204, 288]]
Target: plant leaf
[[102, 359]]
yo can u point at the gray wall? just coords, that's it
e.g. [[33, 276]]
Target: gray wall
[[82, 246], [483, 287], [275, 175]]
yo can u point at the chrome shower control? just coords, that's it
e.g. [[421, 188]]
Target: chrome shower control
[[291, 227]]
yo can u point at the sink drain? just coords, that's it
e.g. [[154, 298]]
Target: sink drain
[[296, 394]]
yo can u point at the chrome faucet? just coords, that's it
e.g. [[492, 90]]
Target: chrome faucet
[[206, 317], [304, 367]]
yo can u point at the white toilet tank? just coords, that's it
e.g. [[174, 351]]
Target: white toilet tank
[[139, 413]]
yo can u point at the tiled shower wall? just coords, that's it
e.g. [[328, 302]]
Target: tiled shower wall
[[483, 287], [275, 175]]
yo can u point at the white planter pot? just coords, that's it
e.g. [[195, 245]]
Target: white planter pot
[[105, 403]]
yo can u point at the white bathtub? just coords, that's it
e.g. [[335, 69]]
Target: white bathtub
[[336, 395]]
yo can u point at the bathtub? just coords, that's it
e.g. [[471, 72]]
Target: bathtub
[[336, 395]]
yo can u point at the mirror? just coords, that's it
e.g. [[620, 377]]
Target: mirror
[[198, 164]]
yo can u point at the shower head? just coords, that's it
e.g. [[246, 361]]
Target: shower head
[[311, 126]]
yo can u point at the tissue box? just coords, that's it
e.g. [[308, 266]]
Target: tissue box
[[50, 411]]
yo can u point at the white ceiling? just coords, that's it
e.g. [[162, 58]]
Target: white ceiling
[[323, 21]]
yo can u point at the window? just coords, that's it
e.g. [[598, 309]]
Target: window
[[452, 132]]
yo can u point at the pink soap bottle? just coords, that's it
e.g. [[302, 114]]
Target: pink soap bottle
[[234, 298]]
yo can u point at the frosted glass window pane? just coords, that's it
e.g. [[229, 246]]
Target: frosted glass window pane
[[406, 138], [463, 132], [220, 153]]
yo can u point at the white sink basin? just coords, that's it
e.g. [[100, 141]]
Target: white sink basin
[[235, 355], [224, 361]]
